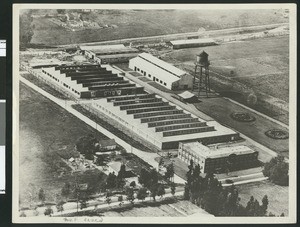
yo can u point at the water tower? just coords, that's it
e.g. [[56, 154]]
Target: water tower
[[201, 77]]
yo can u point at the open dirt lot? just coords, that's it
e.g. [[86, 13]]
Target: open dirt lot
[[260, 64], [278, 195], [48, 133], [172, 209]]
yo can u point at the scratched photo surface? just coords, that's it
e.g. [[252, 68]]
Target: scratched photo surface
[[154, 113]]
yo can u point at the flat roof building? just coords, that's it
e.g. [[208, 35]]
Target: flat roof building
[[218, 160], [104, 54], [161, 72], [189, 43]]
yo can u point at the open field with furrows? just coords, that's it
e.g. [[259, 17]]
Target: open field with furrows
[[170, 208], [47, 134], [142, 23], [278, 195], [261, 64]]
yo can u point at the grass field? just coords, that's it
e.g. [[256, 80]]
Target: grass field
[[261, 64], [47, 133], [171, 209], [141, 23], [220, 109], [278, 196]]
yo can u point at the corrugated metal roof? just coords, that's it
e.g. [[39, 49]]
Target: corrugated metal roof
[[162, 64], [191, 41]]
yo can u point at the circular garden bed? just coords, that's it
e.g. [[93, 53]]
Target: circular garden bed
[[242, 117], [277, 134]]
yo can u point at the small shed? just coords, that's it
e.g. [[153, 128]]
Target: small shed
[[189, 97], [107, 145]]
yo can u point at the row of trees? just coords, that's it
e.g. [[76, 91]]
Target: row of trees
[[208, 193], [277, 170]]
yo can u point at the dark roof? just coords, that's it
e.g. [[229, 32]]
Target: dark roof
[[107, 142], [203, 53]]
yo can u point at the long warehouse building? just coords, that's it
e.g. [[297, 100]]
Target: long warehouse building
[[91, 81], [161, 122], [161, 72]]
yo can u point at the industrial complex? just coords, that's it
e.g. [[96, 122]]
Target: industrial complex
[[152, 117]]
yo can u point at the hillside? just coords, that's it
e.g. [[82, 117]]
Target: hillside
[[140, 23]]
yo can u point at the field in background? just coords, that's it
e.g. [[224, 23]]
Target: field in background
[[260, 67], [47, 133], [142, 23], [261, 64]]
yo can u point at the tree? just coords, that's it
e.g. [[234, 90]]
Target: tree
[[130, 194], [48, 211], [42, 196], [264, 206], [61, 11], [66, 190], [170, 171], [120, 180], [86, 145], [59, 206], [100, 161], [153, 191], [108, 200], [132, 184], [277, 170], [142, 194], [120, 199], [161, 190], [143, 178], [173, 189], [111, 180]]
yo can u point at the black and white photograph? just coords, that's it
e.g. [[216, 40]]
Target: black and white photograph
[[167, 113]]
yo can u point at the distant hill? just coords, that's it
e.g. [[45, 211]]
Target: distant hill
[[119, 24]]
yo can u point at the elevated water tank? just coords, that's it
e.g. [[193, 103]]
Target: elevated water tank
[[202, 59]]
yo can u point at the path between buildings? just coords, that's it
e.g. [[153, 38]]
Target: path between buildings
[[168, 96]]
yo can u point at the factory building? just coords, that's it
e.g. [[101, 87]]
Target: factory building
[[106, 54], [90, 81], [161, 72], [161, 122], [218, 160], [189, 43]]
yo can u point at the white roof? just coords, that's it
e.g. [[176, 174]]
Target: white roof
[[102, 47], [162, 64], [191, 41], [186, 95], [206, 152]]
